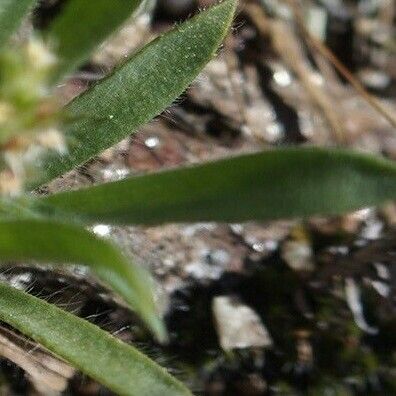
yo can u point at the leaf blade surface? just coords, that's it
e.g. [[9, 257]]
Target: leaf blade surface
[[57, 242], [81, 26], [141, 88], [282, 183], [117, 365], [12, 13]]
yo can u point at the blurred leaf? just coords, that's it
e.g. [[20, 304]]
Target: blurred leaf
[[56, 242], [140, 89], [289, 182], [82, 25], [119, 366], [12, 13]]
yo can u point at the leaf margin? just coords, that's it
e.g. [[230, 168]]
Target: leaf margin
[[58, 242], [295, 182], [101, 117], [64, 334]]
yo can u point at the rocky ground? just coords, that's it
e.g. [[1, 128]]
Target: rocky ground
[[287, 307]]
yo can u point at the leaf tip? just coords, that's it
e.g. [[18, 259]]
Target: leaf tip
[[229, 8], [157, 327]]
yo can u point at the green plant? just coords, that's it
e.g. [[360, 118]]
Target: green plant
[[40, 141]]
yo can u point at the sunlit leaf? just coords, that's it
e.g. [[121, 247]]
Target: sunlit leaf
[[82, 25], [290, 182], [141, 88], [115, 364], [55, 242], [12, 13]]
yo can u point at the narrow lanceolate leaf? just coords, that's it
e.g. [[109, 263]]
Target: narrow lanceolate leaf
[[54, 242], [291, 182], [82, 26], [143, 87], [119, 366], [12, 13]]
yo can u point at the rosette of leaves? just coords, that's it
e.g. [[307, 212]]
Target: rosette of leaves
[[289, 182]]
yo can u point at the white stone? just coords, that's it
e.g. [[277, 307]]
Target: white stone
[[238, 326]]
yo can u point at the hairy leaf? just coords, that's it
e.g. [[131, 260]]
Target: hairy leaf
[[141, 88], [55, 242], [289, 182], [82, 25], [96, 353], [12, 13]]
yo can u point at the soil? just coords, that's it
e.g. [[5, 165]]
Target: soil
[[316, 297]]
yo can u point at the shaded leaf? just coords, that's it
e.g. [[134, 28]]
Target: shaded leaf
[[82, 25], [55, 242], [12, 13], [96, 353], [289, 182], [140, 89]]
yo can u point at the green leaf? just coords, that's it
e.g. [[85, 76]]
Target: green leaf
[[140, 89], [12, 13], [82, 26], [56, 242], [96, 353], [289, 182]]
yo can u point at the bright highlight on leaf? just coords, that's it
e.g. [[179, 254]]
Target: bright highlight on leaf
[[289, 182], [96, 353], [141, 88], [56, 242]]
